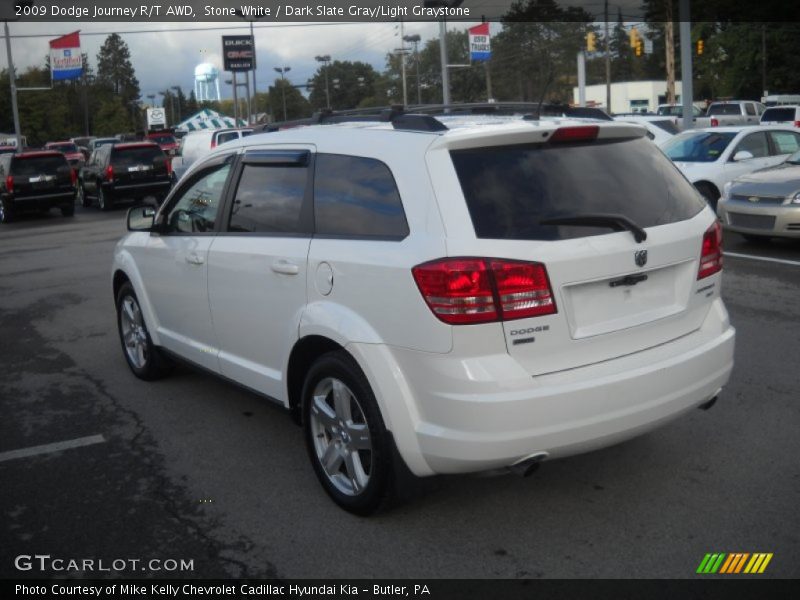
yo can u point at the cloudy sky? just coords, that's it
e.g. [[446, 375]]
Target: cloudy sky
[[165, 54]]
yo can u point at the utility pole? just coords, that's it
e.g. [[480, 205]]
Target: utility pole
[[255, 89], [12, 79], [283, 70], [403, 62], [235, 100], [764, 59], [607, 49], [326, 60], [669, 42], [687, 91], [443, 58], [581, 78], [414, 39]]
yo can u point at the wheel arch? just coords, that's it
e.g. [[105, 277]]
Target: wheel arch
[[304, 353]]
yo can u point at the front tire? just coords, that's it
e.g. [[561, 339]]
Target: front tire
[[82, 198], [143, 357], [346, 439]]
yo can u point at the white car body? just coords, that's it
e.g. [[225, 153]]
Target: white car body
[[610, 364], [657, 134], [724, 169]]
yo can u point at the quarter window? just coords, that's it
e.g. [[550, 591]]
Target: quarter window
[[357, 197], [195, 210], [269, 199]]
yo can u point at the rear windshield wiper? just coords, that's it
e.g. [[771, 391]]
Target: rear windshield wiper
[[615, 222]]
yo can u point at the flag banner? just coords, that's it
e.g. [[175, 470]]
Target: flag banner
[[479, 42], [65, 57]]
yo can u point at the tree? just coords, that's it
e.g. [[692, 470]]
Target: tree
[[349, 84], [297, 106], [115, 73]]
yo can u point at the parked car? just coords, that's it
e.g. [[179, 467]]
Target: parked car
[[659, 129], [731, 113], [782, 115], [199, 143], [7, 149], [675, 113], [31, 181], [104, 141], [764, 204], [419, 294], [70, 150], [712, 157], [165, 141], [129, 171]]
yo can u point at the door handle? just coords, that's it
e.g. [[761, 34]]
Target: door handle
[[194, 259], [286, 267]]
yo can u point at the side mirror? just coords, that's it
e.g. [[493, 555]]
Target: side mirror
[[742, 155], [141, 218]]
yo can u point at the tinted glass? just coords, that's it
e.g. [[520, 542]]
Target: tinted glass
[[724, 109], [755, 144], [246, 133], [356, 196], [129, 157], [269, 199], [785, 142], [37, 165], [778, 114], [227, 137], [510, 189], [751, 110], [195, 209], [702, 146]]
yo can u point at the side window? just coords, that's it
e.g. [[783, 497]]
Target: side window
[[785, 142], [751, 110], [356, 196], [269, 199], [194, 208], [226, 137], [755, 144]]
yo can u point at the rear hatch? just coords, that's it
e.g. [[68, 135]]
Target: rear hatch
[[616, 227], [41, 174], [139, 164]]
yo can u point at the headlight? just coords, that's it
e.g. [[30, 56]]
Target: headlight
[[726, 190], [796, 199]]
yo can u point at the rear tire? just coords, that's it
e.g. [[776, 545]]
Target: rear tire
[[144, 358], [103, 199], [347, 442], [68, 210], [6, 211]]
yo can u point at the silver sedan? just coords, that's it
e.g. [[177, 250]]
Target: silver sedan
[[765, 203]]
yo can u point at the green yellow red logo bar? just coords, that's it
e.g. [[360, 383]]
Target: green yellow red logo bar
[[734, 563]]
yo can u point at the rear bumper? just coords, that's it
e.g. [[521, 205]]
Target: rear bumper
[[451, 415], [43, 201]]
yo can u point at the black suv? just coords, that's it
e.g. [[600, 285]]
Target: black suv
[[131, 171], [35, 181]]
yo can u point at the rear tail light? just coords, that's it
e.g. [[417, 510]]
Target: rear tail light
[[10, 184], [73, 176], [109, 173], [711, 252], [714, 122], [575, 134], [169, 166], [797, 123], [462, 291]]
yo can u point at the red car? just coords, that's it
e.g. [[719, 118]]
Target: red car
[[74, 156], [166, 141]]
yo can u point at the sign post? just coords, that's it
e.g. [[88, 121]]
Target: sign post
[[238, 55], [480, 49]]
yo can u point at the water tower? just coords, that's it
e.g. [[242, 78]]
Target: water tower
[[204, 75]]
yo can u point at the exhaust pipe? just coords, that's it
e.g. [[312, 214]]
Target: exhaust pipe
[[709, 404], [528, 465]]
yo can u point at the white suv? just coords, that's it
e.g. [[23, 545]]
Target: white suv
[[442, 295]]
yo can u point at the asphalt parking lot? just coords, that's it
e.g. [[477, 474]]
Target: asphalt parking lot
[[192, 468]]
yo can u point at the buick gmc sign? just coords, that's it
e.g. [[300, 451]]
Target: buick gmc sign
[[237, 53]]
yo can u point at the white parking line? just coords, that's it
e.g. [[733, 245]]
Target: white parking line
[[55, 447], [782, 261]]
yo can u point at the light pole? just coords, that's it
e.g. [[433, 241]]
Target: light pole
[[177, 89], [282, 71], [415, 39], [443, 43], [325, 59], [12, 79]]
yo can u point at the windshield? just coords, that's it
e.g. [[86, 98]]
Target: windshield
[[65, 147], [136, 155], [724, 109], [702, 146], [778, 114]]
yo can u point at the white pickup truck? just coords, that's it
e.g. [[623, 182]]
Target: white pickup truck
[[731, 112]]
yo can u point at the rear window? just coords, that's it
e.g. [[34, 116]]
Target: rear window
[[510, 189], [128, 157], [778, 114], [724, 109], [227, 137], [162, 139], [701, 146], [37, 165]]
